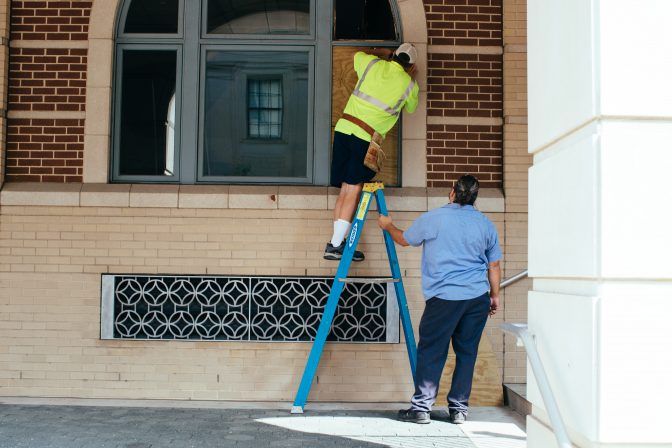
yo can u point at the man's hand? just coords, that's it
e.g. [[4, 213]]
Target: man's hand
[[494, 305], [494, 278], [385, 222]]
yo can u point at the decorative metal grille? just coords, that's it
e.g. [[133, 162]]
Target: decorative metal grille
[[286, 309]]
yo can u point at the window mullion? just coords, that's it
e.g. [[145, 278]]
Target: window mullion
[[190, 93], [322, 109]]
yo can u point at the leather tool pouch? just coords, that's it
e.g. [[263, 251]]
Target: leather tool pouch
[[375, 156]]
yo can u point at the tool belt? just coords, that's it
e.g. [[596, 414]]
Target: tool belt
[[375, 156]]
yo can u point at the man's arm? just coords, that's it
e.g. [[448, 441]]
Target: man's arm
[[385, 223], [495, 278]]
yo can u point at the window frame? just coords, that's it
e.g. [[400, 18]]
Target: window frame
[[116, 122], [311, 36], [122, 22], [396, 16], [202, 178], [191, 41]]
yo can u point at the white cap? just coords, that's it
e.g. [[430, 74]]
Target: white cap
[[409, 50]]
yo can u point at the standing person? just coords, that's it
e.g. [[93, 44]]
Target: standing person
[[385, 88], [460, 282]]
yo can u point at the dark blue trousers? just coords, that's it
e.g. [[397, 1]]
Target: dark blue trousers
[[461, 321]]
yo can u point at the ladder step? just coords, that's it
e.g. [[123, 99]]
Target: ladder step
[[369, 280]]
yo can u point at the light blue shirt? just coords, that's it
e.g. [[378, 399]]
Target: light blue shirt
[[458, 242]]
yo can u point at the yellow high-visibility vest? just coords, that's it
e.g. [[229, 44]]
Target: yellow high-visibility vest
[[384, 89]]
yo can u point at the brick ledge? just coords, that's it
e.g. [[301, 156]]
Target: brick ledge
[[270, 197]]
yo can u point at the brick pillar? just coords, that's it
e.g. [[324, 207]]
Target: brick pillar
[[4, 55], [464, 91], [47, 89]]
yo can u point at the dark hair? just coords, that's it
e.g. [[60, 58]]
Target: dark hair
[[402, 59], [466, 190]]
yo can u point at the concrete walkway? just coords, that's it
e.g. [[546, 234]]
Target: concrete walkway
[[66, 423]]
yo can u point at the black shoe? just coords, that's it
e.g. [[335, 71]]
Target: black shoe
[[457, 418], [336, 253], [413, 416]]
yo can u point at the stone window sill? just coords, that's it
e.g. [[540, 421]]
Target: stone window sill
[[271, 197]]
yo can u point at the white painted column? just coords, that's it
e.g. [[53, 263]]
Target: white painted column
[[600, 243]]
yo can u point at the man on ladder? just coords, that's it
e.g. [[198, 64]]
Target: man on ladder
[[385, 88]]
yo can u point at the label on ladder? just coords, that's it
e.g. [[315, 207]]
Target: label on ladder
[[353, 234], [363, 206]]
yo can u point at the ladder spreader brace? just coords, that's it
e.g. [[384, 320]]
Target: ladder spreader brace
[[341, 278]]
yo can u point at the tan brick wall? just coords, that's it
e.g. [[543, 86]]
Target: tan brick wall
[[51, 259], [516, 164]]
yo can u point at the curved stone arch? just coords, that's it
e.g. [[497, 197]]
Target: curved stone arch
[[414, 126], [97, 130], [97, 138]]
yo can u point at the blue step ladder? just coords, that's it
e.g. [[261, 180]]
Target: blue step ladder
[[341, 278]]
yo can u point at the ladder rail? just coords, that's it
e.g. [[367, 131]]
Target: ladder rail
[[340, 280], [330, 308], [404, 313]]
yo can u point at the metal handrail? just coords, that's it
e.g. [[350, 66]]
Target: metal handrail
[[522, 333], [511, 280]]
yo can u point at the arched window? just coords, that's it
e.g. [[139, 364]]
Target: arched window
[[234, 91]]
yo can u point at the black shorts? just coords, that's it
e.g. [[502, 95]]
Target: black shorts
[[347, 163]]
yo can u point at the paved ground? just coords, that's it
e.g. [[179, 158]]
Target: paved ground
[[109, 424]]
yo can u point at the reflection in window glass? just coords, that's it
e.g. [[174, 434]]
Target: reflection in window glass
[[152, 17], [259, 16], [363, 20], [273, 88], [264, 108], [147, 118]]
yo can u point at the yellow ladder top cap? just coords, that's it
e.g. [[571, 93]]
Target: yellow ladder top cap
[[372, 187]]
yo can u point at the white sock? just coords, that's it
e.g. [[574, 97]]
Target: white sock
[[341, 227]]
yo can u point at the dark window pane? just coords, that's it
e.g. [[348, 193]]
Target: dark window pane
[[147, 134], [256, 114], [152, 17], [363, 20], [259, 16]]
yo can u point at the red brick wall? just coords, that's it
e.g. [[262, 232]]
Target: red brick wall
[[464, 85], [453, 150], [464, 22], [45, 150], [50, 20], [47, 79]]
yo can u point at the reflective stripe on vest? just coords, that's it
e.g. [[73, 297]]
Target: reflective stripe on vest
[[394, 111]]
